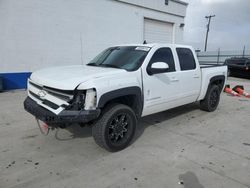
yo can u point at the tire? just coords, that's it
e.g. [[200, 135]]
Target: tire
[[116, 127], [212, 99]]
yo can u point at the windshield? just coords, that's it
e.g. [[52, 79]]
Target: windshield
[[129, 58]]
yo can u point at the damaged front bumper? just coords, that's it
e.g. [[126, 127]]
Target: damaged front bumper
[[64, 117]]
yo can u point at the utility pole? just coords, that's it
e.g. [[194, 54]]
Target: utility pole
[[244, 49], [208, 27]]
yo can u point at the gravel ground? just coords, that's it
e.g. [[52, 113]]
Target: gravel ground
[[183, 148]]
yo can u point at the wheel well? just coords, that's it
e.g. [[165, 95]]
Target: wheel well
[[219, 83], [130, 100]]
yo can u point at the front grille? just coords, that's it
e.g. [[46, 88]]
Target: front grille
[[50, 104], [35, 85], [34, 95], [44, 101], [52, 98], [58, 94], [64, 95]]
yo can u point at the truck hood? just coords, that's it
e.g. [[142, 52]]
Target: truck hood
[[69, 77]]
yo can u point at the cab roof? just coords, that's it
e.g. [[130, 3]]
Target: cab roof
[[151, 45]]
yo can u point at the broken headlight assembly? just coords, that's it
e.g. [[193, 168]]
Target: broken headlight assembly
[[83, 100]]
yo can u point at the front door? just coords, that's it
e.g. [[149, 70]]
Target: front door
[[161, 90]]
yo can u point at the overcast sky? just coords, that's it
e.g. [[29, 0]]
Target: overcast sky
[[230, 29]]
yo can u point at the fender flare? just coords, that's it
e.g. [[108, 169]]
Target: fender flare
[[134, 91], [218, 78], [214, 79]]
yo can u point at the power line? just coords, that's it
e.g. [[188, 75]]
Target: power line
[[208, 28]]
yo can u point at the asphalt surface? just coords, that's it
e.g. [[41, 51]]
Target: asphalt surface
[[179, 148]]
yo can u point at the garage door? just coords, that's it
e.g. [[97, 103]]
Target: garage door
[[158, 31]]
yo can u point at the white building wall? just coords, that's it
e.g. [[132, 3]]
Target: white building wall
[[173, 6], [41, 33]]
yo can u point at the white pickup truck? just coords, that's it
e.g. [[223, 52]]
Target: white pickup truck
[[120, 85]]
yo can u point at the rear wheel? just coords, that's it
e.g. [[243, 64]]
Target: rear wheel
[[115, 129], [212, 99]]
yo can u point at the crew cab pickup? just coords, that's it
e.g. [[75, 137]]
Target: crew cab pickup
[[119, 86]]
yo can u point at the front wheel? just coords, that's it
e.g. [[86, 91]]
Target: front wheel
[[211, 100], [115, 129]]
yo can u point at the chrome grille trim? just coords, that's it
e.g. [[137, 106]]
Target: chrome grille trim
[[52, 100], [63, 96]]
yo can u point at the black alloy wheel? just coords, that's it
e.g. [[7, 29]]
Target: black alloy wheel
[[116, 127], [119, 128], [212, 99]]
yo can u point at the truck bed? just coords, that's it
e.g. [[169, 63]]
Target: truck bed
[[210, 65], [209, 71]]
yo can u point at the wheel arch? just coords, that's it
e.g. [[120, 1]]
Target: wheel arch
[[217, 80], [131, 96]]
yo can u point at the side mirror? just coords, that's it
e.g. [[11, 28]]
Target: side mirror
[[157, 68]]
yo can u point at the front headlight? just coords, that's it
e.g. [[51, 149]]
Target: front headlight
[[77, 103], [84, 99], [90, 99]]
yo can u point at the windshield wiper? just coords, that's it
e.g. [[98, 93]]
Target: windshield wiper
[[93, 64], [110, 65], [104, 65]]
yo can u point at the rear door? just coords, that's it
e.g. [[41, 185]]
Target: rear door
[[189, 75]]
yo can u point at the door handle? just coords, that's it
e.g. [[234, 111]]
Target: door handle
[[174, 80], [196, 76]]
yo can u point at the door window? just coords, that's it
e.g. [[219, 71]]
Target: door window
[[186, 59], [164, 55]]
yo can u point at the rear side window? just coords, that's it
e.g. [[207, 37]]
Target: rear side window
[[164, 55], [186, 59]]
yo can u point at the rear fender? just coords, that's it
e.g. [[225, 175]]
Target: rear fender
[[217, 80]]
